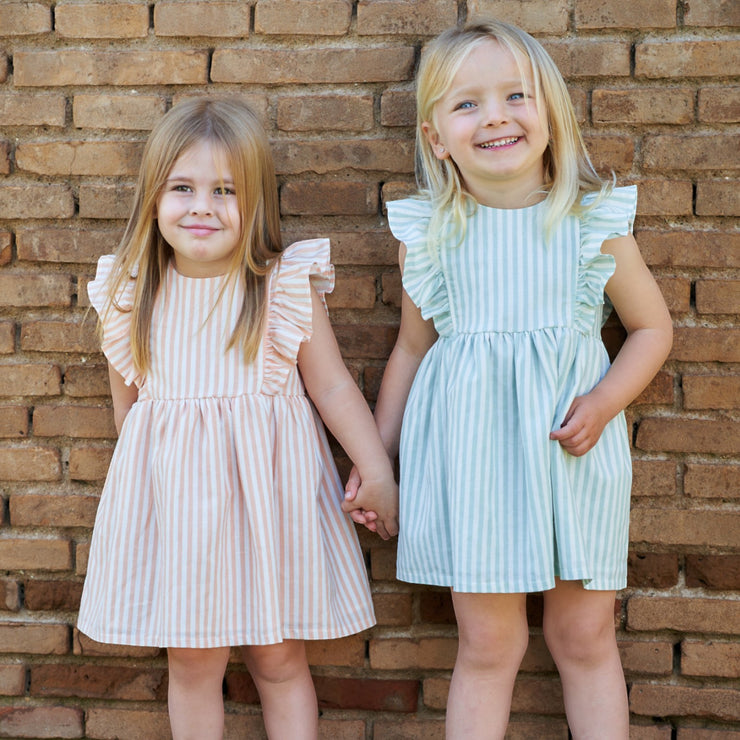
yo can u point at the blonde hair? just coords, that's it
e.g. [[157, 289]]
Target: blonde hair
[[231, 125], [568, 170]]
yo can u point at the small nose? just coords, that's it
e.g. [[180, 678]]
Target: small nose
[[201, 202], [495, 113]]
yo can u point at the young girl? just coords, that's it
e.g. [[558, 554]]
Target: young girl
[[220, 522], [514, 453]]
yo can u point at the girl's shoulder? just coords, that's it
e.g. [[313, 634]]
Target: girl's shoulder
[[100, 289], [614, 206], [409, 219]]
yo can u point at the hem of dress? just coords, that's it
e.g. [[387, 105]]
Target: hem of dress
[[237, 640], [528, 587]]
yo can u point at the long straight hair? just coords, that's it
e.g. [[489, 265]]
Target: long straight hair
[[568, 170], [143, 255]]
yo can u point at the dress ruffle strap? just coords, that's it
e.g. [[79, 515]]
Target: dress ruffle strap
[[612, 217], [115, 320], [423, 279], [289, 322]]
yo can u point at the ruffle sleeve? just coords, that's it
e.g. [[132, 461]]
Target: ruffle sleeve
[[116, 321], [289, 320], [612, 217], [423, 279]]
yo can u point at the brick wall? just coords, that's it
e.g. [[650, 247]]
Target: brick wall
[[81, 84]]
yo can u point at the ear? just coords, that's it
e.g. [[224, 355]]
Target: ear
[[432, 136]]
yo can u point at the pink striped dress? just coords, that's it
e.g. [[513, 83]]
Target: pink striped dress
[[220, 521]]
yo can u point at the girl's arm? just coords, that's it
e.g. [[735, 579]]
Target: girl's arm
[[124, 396], [415, 336], [644, 315], [346, 414]]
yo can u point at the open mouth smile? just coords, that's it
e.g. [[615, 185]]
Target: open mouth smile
[[499, 143]]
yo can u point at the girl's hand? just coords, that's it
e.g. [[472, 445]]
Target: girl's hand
[[374, 504], [359, 516], [582, 426]]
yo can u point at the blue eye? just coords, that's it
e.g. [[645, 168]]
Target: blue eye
[[467, 105], [517, 96]]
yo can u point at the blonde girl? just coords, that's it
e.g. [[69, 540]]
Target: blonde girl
[[220, 522], [514, 453]]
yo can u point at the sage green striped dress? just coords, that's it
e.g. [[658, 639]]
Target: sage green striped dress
[[488, 502]]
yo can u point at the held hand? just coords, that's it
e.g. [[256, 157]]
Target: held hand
[[359, 516], [582, 426], [376, 498]]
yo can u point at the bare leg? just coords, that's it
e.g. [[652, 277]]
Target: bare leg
[[579, 631], [493, 638], [196, 704], [286, 689]]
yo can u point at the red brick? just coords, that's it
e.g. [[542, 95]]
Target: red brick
[[82, 554], [435, 607], [321, 157], [329, 729], [353, 291], [423, 17], [551, 17], [712, 481], [106, 201], [109, 20], [383, 564], [325, 112], [646, 657], [21, 290], [599, 14], [99, 681], [73, 421], [30, 380], [7, 337], [65, 244], [700, 344], [121, 68], [685, 527], [36, 201], [306, 66], [665, 198], [712, 13], [392, 609], [83, 645], [45, 510], [36, 639], [611, 153], [135, 112], [660, 388], [347, 651], [658, 58], [29, 463], [689, 248], [689, 435], [59, 336], [682, 701], [714, 572], [719, 104], [590, 58], [89, 463], [398, 108], [537, 696], [693, 733], [35, 554], [12, 680], [424, 653], [711, 391], [44, 595], [697, 151], [10, 595], [337, 198], [217, 19], [653, 478], [126, 724], [683, 614], [14, 421], [652, 570], [41, 722], [86, 380], [717, 198], [80, 157], [32, 109], [6, 247], [370, 342], [409, 729], [296, 17], [3, 67], [24, 18], [392, 289], [369, 694], [644, 106], [709, 658]]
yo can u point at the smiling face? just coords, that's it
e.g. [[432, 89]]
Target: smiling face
[[197, 211], [488, 124]]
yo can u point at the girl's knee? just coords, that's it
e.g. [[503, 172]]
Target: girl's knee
[[582, 637], [276, 663], [195, 664]]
